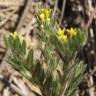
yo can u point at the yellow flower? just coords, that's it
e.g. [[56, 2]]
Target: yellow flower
[[72, 31], [44, 14], [60, 31], [47, 12], [42, 17], [64, 37], [14, 35], [61, 34]]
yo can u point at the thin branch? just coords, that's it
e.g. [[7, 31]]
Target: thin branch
[[91, 85], [55, 8], [63, 9], [91, 18]]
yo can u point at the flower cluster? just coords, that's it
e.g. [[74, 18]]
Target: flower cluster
[[72, 31], [63, 34], [44, 15]]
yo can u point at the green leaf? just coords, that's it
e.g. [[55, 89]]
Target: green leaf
[[30, 60], [23, 47], [25, 73], [11, 42], [18, 45], [82, 36]]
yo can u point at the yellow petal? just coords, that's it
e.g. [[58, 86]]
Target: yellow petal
[[64, 38], [72, 31], [42, 17], [14, 35], [60, 31]]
